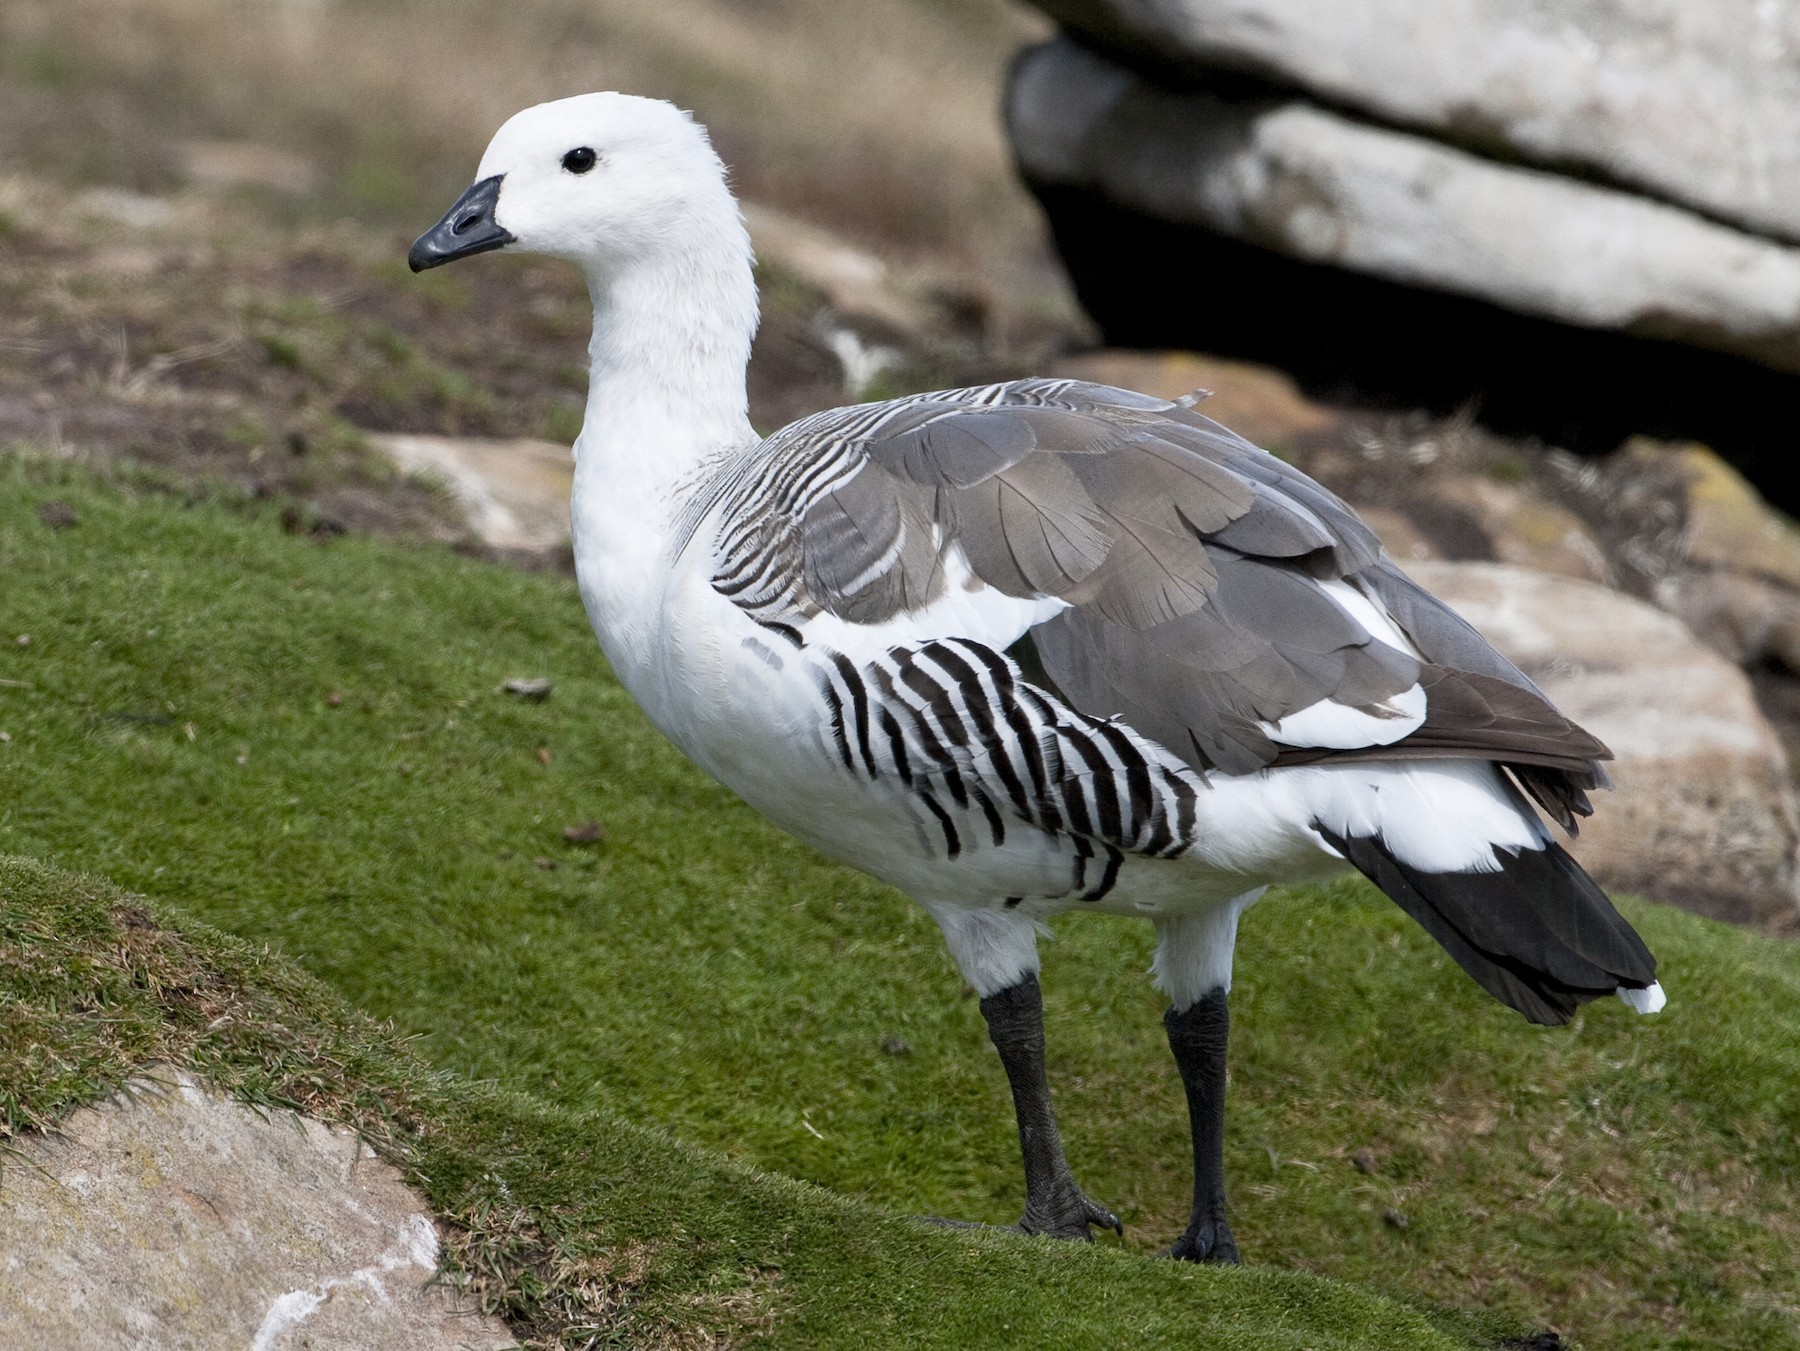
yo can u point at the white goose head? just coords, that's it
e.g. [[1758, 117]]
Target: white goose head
[[603, 180], [630, 190]]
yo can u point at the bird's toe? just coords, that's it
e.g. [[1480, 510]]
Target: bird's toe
[[1069, 1213], [1207, 1240], [1100, 1215]]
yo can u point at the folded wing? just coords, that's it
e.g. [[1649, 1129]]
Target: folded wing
[[1212, 597]]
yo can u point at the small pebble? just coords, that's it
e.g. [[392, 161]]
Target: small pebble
[[57, 515], [535, 690], [591, 832], [1364, 1160], [335, 698], [1393, 1219], [24, 640], [543, 754], [547, 864], [896, 1046]]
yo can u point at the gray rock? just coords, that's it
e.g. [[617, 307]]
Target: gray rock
[[1319, 186], [174, 1219], [1703, 814], [1694, 101], [1731, 571]]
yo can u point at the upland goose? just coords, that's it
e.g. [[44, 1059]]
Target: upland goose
[[1031, 647]]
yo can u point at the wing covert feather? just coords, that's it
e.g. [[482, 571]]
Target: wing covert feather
[[870, 548], [1031, 530]]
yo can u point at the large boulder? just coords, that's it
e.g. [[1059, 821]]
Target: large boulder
[[1316, 185], [1703, 814], [1693, 101]]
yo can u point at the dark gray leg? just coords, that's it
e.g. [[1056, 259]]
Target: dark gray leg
[[1054, 1205], [1197, 1036]]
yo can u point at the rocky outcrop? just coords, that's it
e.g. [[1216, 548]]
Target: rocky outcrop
[[174, 1219], [856, 283], [1691, 101], [1579, 219], [1322, 187], [1703, 811]]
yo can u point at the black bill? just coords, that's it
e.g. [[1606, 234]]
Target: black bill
[[468, 227]]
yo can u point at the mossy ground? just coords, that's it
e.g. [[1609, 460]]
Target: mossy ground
[[306, 745]]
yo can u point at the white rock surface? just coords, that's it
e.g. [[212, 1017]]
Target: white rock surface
[[175, 1219], [1320, 186], [516, 493], [1703, 813], [1695, 101]]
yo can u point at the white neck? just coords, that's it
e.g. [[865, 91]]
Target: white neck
[[671, 342], [666, 401]]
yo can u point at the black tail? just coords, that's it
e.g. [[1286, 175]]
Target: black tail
[[1538, 935]]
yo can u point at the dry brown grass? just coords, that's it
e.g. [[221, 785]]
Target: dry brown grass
[[878, 117]]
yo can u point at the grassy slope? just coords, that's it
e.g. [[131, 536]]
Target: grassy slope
[[1628, 1179], [634, 1238]]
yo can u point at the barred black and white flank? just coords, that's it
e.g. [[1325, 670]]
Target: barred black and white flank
[[1032, 647]]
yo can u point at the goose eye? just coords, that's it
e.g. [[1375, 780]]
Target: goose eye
[[579, 160]]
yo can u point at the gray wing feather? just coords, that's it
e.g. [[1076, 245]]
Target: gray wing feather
[[1031, 529], [1165, 482], [870, 549], [1152, 574], [1275, 528], [1269, 644], [951, 451]]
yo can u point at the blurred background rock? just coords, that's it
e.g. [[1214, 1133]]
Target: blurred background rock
[[1522, 284]]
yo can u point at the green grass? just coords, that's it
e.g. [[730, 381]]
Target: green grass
[[584, 1228], [304, 744]]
